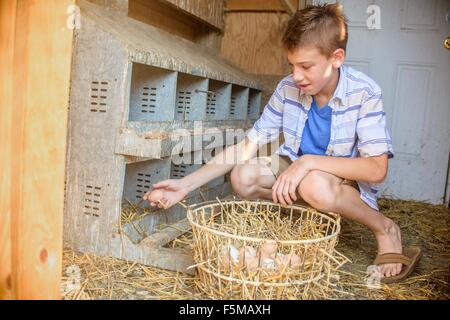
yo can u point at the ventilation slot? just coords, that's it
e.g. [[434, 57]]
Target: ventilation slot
[[99, 96], [92, 201], [184, 102], [148, 100], [179, 171], [143, 184], [211, 104], [233, 106]]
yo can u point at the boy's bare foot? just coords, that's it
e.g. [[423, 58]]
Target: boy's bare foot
[[389, 241]]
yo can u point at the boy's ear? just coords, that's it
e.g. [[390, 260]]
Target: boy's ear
[[338, 57]]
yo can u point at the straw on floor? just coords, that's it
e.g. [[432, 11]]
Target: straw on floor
[[422, 224]]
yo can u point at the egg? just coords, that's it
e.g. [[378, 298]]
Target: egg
[[283, 262], [280, 260], [251, 264], [287, 261], [245, 254], [267, 249], [228, 258], [295, 261], [156, 196], [234, 253], [268, 263]]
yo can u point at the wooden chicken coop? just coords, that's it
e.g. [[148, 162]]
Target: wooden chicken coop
[[132, 86]]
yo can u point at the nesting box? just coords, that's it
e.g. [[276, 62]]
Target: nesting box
[[132, 87]]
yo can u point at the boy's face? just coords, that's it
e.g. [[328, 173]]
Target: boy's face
[[311, 70]]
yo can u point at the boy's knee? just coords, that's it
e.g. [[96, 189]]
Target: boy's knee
[[319, 191], [243, 179]]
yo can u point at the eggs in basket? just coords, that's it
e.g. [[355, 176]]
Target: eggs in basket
[[265, 258]]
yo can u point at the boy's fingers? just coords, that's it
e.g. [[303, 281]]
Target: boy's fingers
[[280, 193], [274, 192], [162, 184], [292, 192], [277, 187], [166, 203], [286, 195]]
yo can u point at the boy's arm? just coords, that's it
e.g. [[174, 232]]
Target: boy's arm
[[368, 169], [175, 190]]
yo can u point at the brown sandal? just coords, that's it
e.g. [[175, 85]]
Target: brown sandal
[[409, 259]]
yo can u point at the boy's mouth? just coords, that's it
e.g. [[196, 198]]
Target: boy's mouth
[[303, 86]]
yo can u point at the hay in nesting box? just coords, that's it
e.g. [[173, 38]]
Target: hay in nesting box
[[262, 250], [422, 224]]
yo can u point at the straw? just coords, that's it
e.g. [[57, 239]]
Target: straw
[[422, 224]]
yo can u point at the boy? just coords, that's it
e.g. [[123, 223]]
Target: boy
[[335, 133]]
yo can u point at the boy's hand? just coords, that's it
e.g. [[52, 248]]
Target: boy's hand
[[173, 191], [285, 188]]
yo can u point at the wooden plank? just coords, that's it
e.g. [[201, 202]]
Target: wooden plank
[[167, 234], [255, 5], [42, 60], [252, 41], [175, 259], [119, 6], [288, 6], [164, 17], [209, 11], [7, 30]]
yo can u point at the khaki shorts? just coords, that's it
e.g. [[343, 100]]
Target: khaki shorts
[[278, 164]]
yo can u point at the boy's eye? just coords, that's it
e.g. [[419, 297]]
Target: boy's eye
[[307, 67]]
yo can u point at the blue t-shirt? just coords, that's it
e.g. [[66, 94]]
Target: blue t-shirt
[[316, 134]]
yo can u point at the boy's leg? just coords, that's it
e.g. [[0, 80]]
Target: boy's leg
[[326, 192], [254, 179]]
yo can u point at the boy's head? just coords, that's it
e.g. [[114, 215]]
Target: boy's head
[[315, 39]]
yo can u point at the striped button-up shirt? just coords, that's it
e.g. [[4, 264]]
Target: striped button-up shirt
[[358, 122]]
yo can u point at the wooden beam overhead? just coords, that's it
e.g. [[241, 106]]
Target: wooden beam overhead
[[209, 11], [255, 5]]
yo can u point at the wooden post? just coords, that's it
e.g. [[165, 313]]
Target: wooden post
[[7, 30], [35, 125]]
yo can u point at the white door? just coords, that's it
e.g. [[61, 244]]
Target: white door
[[407, 58]]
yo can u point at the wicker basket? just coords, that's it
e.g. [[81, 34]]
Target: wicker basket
[[262, 250]]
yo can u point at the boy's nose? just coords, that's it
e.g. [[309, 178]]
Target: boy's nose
[[297, 76]]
